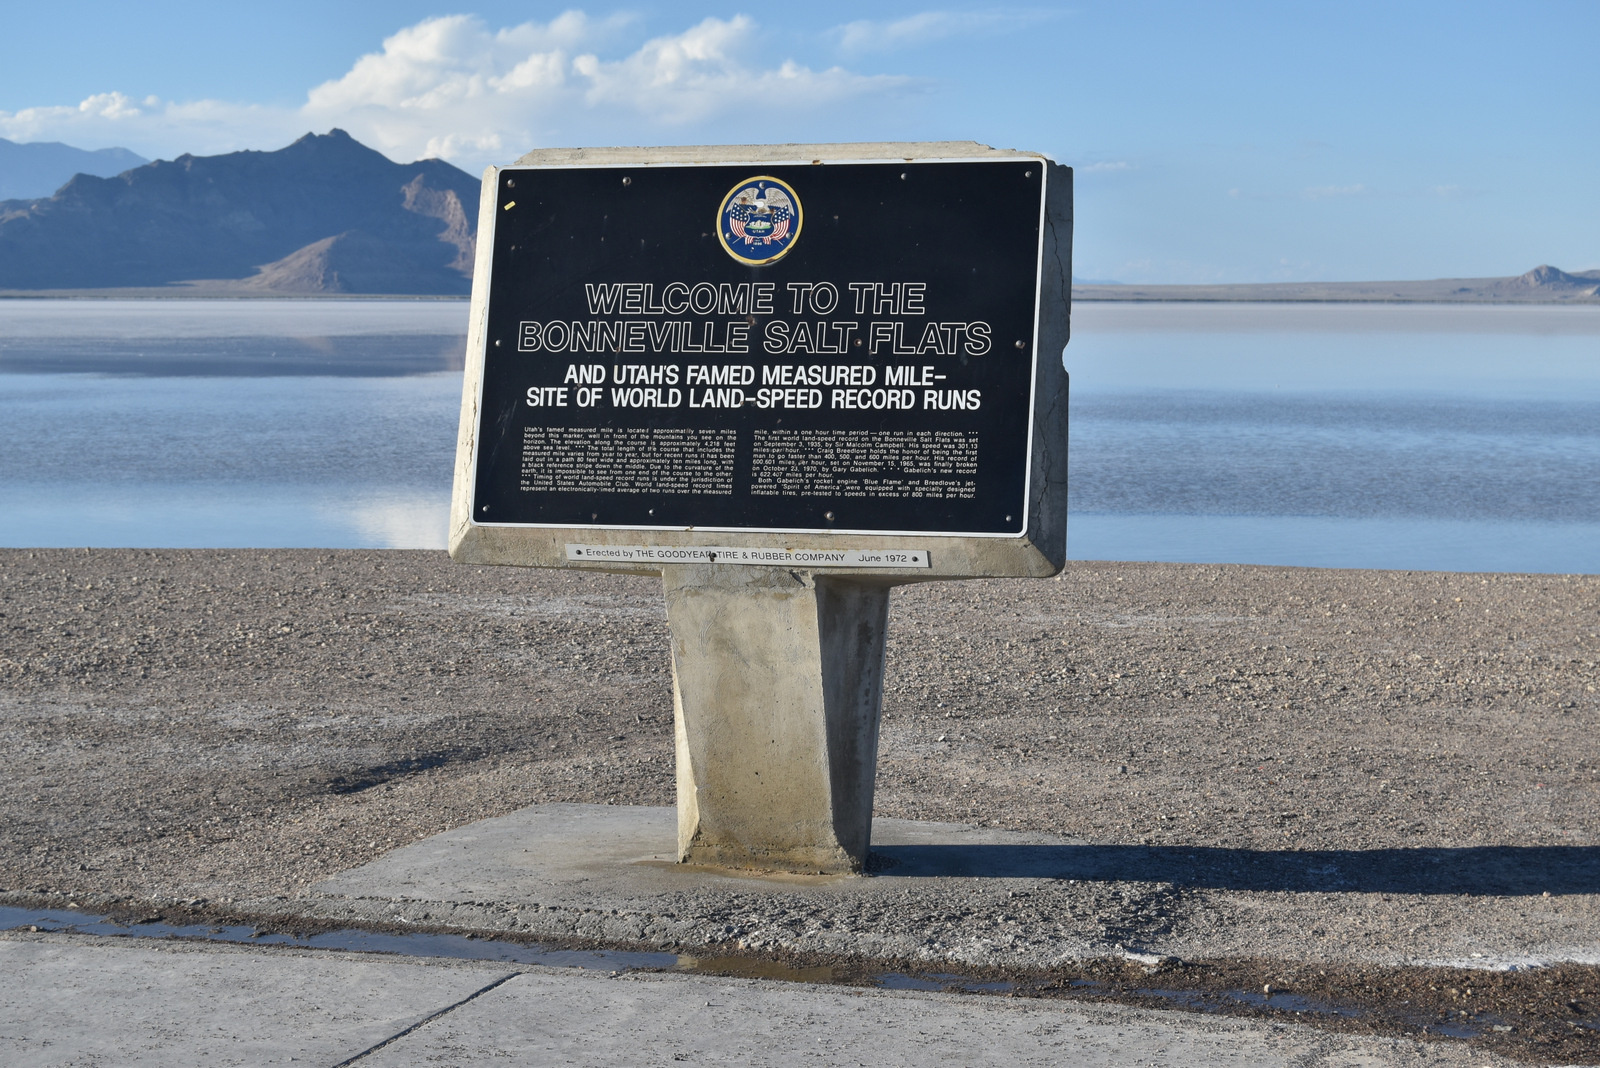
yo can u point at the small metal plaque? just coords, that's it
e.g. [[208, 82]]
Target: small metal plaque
[[734, 554], [846, 348]]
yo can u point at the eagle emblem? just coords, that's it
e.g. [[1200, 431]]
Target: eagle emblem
[[759, 220]]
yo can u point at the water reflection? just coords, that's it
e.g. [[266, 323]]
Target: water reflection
[[1420, 437]]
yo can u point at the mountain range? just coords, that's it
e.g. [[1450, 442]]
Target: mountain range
[[1542, 285], [36, 168], [327, 215], [324, 215]]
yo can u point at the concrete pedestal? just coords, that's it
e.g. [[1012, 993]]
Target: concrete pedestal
[[777, 687]]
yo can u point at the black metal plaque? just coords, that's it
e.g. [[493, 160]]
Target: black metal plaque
[[831, 348]]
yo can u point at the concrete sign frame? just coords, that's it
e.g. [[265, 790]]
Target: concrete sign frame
[[1039, 550], [778, 631]]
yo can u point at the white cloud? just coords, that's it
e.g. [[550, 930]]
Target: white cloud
[[443, 61], [453, 87], [1106, 167], [154, 126], [29, 122], [450, 86], [869, 35], [697, 74], [112, 106]]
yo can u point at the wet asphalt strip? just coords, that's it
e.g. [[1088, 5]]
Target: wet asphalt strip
[[1512, 1034]]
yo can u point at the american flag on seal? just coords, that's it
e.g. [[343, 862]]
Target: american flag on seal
[[761, 216]]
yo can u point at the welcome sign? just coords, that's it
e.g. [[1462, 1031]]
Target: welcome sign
[[801, 347]]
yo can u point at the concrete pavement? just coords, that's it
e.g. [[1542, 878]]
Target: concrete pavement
[[91, 1002]]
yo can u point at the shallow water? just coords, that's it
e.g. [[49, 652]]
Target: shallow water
[[1477, 351], [1389, 436], [1417, 437], [200, 461], [468, 947], [419, 944]]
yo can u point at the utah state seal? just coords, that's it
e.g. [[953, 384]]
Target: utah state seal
[[759, 220]]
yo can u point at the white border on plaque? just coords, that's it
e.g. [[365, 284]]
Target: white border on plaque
[[487, 227]]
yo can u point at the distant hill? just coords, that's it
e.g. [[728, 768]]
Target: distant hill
[[39, 168], [1542, 285], [324, 215]]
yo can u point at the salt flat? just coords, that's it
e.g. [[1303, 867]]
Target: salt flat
[[1312, 769]]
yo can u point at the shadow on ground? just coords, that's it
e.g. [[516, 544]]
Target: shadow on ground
[[1483, 870]]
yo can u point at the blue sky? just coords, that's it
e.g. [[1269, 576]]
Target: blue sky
[[1213, 143]]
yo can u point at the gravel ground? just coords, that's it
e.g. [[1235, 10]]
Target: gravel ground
[[226, 725]]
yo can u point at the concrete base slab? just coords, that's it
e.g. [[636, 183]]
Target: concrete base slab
[[950, 892], [76, 1002]]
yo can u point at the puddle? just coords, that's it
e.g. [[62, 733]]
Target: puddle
[[942, 981], [1201, 1001], [471, 947], [458, 947], [1206, 1002], [898, 981], [754, 968], [420, 944]]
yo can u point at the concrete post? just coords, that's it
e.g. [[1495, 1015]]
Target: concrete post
[[777, 688]]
